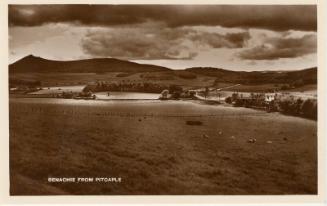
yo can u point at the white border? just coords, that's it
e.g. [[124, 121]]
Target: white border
[[235, 199]]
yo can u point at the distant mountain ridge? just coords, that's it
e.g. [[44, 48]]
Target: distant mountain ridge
[[32, 64], [305, 76], [35, 64]]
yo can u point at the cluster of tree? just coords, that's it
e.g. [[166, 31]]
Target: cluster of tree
[[255, 100], [125, 86], [177, 94], [71, 95], [175, 91], [298, 107], [134, 87], [291, 106]]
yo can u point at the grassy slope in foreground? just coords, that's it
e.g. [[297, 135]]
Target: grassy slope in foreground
[[159, 154]]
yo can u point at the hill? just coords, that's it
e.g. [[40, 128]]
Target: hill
[[299, 77], [51, 72], [32, 64]]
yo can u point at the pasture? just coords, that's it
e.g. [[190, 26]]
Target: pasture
[[149, 145]]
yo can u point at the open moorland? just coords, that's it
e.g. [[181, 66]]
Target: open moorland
[[152, 148]]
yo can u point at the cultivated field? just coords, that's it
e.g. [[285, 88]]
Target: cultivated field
[[149, 145]]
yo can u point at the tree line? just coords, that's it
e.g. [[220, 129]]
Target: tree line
[[291, 106], [132, 87]]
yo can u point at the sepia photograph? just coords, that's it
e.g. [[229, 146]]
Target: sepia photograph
[[169, 99]]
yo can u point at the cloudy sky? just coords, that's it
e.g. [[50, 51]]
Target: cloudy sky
[[237, 37]]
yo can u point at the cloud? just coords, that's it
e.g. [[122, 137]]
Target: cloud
[[277, 48], [271, 17], [154, 41], [136, 43], [229, 40]]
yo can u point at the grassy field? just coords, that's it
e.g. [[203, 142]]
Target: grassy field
[[149, 145], [61, 79]]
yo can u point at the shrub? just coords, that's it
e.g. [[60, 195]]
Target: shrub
[[239, 103], [286, 106], [176, 95], [272, 106], [228, 100], [192, 94]]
